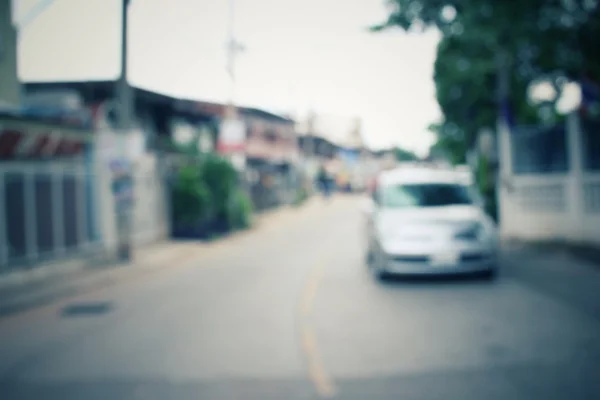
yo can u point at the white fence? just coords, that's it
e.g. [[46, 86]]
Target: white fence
[[559, 198]]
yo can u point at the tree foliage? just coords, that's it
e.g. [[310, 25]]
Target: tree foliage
[[404, 155], [543, 34], [449, 145], [549, 39]]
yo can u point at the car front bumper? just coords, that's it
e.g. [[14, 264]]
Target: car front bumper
[[470, 258], [426, 268]]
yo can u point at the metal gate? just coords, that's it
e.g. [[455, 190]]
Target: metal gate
[[46, 212]]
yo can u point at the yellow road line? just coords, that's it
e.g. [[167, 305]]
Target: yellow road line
[[321, 380], [310, 292], [323, 383]]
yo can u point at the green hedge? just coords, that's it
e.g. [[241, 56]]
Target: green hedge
[[208, 194]]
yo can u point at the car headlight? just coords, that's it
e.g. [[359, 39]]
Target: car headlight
[[471, 232]]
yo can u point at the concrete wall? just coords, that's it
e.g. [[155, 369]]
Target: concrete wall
[[150, 214], [10, 90]]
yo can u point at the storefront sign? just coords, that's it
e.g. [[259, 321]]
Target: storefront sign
[[232, 136]]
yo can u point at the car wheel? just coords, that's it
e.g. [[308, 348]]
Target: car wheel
[[490, 275], [377, 271], [381, 275], [369, 258]]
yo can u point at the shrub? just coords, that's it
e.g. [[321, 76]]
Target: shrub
[[191, 198], [301, 196], [220, 178], [239, 212], [207, 198]]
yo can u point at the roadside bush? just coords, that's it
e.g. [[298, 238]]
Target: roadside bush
[[207, 201], [301, 196], [220, 178], [239, 211], [191, 198]]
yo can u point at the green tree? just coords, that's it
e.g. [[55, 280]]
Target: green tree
[[539, 39], [546, 33], [404, 155], [465, 78], [449, 145]]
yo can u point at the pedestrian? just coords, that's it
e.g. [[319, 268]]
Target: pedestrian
[[323, 182]]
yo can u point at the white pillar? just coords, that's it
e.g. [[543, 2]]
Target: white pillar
[[81, 206], [106, 203], [3, 224], [505, 200], [30, 214], [574, 185], [58, 218]]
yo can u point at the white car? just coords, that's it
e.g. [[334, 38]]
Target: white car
[[427, 221]]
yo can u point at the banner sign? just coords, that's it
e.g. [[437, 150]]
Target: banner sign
[[232, 136], [349, 157]]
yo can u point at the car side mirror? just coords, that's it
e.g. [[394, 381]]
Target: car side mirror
[[477, 198], [480, 202]]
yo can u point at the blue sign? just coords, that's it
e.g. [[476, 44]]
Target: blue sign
[[349, 157]]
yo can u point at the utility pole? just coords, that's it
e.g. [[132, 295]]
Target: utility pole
[[123, 90], [234, 48], [231, 54], [123, 180], [231, 126]]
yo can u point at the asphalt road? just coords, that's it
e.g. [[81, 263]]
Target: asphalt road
[[290, 312]]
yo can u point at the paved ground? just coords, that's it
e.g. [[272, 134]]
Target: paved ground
[[290, 312]]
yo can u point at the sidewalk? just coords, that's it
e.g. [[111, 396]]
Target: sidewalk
[[35, 288], [557, 272], [585, 252], [21, 291]]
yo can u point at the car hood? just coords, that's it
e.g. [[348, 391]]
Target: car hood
[[427, 219]]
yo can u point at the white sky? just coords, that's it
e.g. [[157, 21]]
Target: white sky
[[301, 54]]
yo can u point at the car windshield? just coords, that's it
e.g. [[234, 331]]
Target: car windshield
[[425, 195]]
